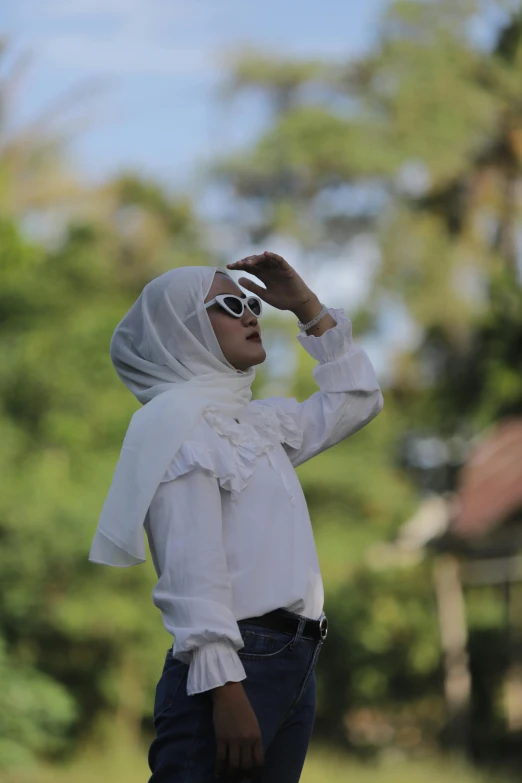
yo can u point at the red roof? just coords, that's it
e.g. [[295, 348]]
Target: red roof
[[491, 481]]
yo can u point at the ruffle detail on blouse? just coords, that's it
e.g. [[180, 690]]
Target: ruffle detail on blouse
[[333, 343], [273, 422], [193, 454], [259, 429]]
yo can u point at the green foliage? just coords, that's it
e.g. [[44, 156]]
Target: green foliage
[[36, 712], [72, 631], [279, 78]]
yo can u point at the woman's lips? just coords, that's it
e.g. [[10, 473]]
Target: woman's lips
[[255, 337]]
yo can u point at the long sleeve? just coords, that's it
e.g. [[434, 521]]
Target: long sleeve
[[349, 396], [194, 591]]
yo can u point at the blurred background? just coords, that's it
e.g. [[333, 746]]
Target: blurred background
[[378, 147]]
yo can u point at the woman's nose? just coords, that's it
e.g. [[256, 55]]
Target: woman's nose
[[249, 318]]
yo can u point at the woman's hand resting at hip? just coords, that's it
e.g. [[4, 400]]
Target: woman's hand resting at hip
[[238, 736]]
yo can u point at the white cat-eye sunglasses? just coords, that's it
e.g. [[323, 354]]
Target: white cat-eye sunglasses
[[235, 305]]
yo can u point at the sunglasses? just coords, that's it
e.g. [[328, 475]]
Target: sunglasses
[[235, 305]]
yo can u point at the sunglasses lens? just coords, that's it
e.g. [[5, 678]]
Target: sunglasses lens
[[254, 305], [234, 304]]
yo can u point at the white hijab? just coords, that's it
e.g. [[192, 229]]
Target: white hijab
[[165, 351]]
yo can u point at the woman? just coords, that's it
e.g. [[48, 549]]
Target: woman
[[209, 474]]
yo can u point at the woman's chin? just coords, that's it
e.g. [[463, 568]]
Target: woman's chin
[[256, 355], [259, 352]]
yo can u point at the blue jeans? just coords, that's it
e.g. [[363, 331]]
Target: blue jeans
[[280, 686]]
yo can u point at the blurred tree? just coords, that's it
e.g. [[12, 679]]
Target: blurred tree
[[419, 142], [80, 638], [35, 176]]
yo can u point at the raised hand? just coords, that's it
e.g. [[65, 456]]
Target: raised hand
[[284, 288]]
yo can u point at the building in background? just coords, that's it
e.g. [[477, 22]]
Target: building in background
[[473, 536]]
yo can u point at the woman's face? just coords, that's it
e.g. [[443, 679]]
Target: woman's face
[[233, 333]]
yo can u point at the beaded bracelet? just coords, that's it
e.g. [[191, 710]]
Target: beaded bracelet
[[314, 321]]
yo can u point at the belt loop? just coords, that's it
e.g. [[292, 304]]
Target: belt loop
[[299, 632]]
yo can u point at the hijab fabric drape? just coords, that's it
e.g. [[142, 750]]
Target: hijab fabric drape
[[166, 353]]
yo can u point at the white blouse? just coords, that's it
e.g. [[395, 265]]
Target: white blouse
[[228, 528]]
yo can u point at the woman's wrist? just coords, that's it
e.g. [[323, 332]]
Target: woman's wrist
[[229, 690], [307, 311]]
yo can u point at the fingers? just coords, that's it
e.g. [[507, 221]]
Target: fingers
[[251, 286], [247, 266], [244, 263], [269, 254], [259, 757], [234, 759], [244, 762], [252, 757], [221, 757], [267, 259]]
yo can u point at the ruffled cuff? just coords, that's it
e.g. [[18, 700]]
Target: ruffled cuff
[[212, 665], [352, 372], [333, 343]]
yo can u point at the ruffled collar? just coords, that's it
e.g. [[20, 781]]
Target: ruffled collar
[[267, 425], [259, 429]]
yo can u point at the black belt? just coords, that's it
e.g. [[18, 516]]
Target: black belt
[[282, 620]]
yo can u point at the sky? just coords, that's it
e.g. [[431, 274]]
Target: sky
[[150, 74], [157, 65]]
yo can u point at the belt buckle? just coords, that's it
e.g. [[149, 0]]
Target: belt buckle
[[323, 627]]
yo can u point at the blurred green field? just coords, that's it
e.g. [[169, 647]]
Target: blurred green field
[[126, 764]]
